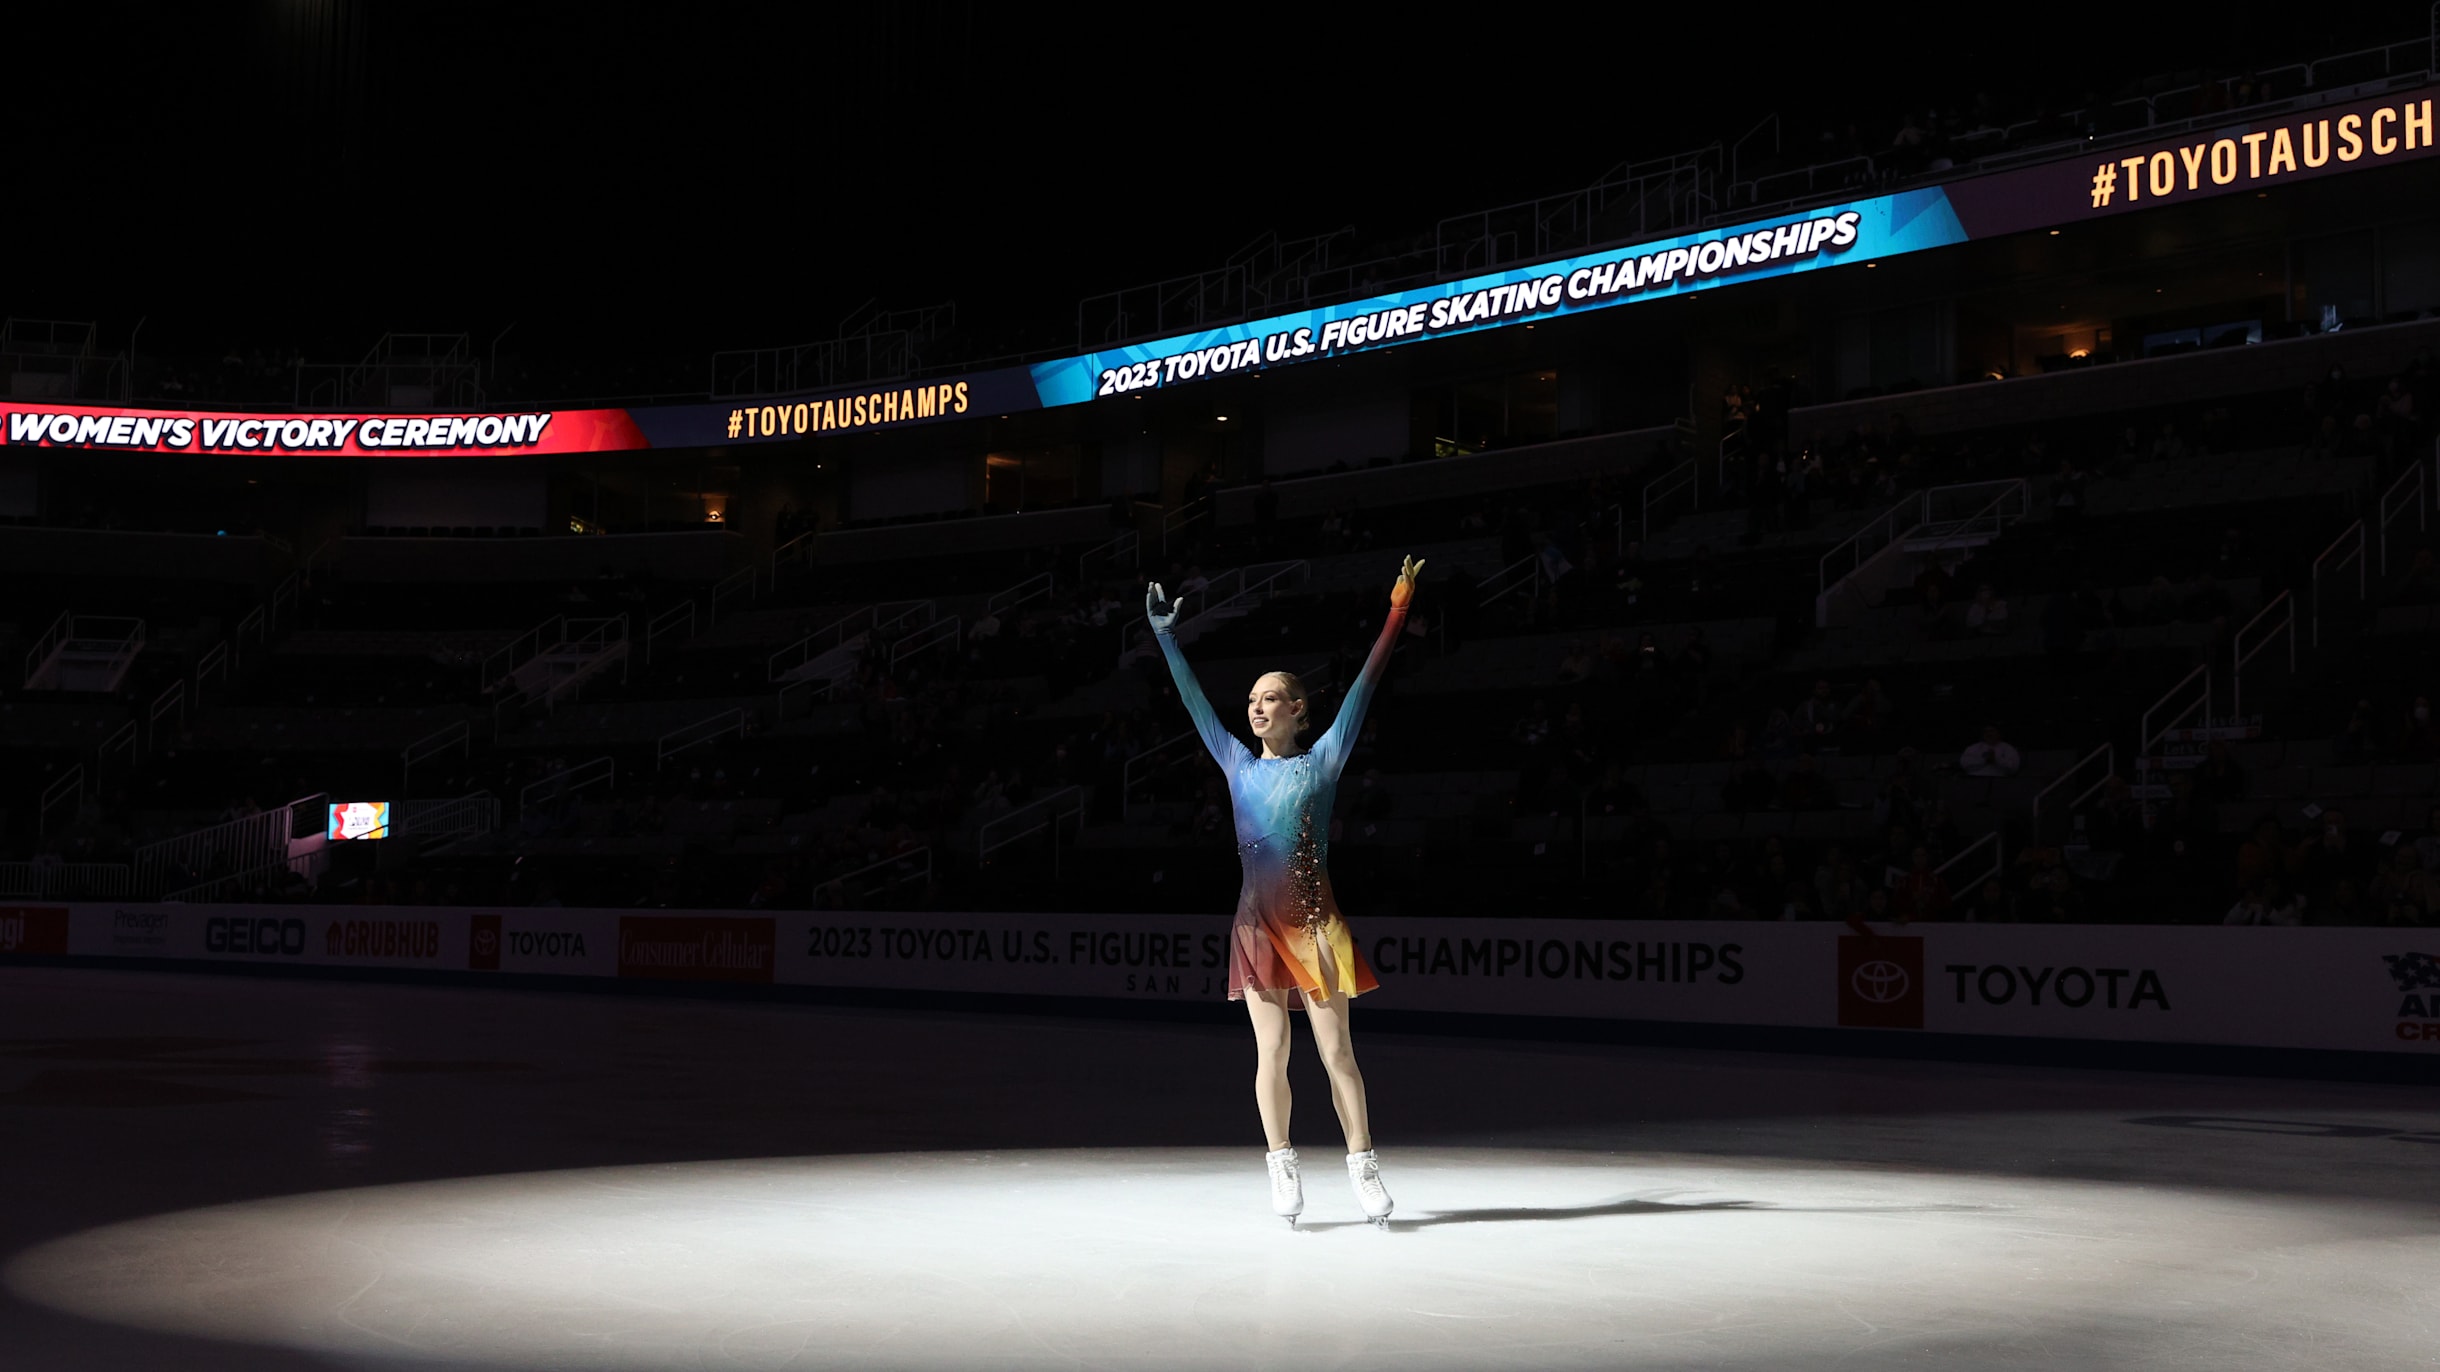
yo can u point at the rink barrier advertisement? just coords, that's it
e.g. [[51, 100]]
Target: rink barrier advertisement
[[2353, 990], [2256, 156]]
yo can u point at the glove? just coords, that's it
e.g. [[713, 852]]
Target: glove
[[1159, 610]]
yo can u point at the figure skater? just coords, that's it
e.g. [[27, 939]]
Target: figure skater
[[1289, 947]]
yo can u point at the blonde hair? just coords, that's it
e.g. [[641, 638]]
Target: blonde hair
[[1293, 687]]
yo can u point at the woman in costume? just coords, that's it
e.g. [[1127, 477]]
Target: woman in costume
[[1289, 947]]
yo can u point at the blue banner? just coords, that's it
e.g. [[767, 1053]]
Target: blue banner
[[1880, 227]]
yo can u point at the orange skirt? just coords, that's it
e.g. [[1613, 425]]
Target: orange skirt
[[1270, 952]]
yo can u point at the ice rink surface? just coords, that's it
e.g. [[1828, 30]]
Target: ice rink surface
[[224, 1172]]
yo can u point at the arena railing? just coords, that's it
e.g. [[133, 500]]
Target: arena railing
[[1184, 517], [564, 785], [446, 821], [455, 735], [2106, 755], [65, 790], [1031, 589], [66, 880], [2410, 492], [902, 868], [2345, 550], [669, 622], [171, 701], [2195, 713], [248, 843], [1128, 545], [949, 630], [1687, 476], [2281, 613], [1039, 816], [1922, 522], [695, 735], [1982, 874]]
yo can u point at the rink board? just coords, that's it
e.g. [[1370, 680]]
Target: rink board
[[2337, 989]]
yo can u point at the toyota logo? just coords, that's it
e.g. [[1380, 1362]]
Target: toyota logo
[[1879, 982], [486, 943]]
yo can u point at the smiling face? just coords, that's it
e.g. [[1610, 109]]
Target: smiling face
[[1275, 710]]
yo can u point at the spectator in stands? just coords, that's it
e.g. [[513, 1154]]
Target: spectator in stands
[[1838, 892], [2355, 744], [1869, 712], [1692, 668], [1576, 664], [1628, 577], [2427, 844], [1817, 716], [2404, 893], [2265, 902], [1894, 805], [2067, 498], [1646, 673], [2220, 778], [1875, 910], [2328, 441], [2264, 855], [1990, 905], [1663, 883], [2344, 905], [1778, 737], [1932, 582], [2416, 740], [2050, 888], [2422, 583], [1987, 613], [1990, 756], [2326, 859]]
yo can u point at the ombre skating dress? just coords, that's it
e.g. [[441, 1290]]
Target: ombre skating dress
[[1288, 933]]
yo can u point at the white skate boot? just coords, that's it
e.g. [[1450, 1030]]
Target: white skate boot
[[1364, 1169], [1287, 1187]]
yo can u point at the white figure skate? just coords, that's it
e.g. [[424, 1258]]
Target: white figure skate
[[1364, 1170], [1287, 1186]]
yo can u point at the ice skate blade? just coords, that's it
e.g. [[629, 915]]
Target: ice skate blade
[[1380, 1222]]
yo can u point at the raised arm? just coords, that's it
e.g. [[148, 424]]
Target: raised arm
[[1162, 614], [1332, 750]]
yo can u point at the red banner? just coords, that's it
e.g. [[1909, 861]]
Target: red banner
[[696, 947], [34, 930], [318, 435]]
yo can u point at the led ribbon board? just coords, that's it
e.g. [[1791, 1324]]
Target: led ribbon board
[[318, 435], [2269, 151], [1880, 227]]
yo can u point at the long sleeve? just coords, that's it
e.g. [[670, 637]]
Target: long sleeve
[[1331, 752], [1222, 745]]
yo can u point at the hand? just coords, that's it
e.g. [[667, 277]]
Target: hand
[[1160, 610], [1409, 574]]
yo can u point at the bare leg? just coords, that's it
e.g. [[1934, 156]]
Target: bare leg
[[1269, 1012], [1331, 1034]]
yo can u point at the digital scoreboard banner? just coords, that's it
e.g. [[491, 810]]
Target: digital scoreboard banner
[[2266, 152]]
